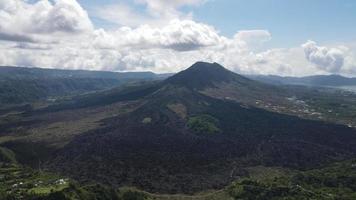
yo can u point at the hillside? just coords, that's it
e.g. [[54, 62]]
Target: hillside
[[199, 130], [319, 80], [334, 181], [23, 85], [182, 138], [38, 73]]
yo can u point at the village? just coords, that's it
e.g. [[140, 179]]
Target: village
[[19, 181]]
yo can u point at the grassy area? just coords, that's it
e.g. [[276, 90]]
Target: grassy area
[[334, 182], [7, 155], [19, 182], [48, 189], [217, 195], [261, 173], [203, 124], [336, 106]]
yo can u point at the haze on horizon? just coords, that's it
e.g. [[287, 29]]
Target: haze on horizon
[[291, 38]]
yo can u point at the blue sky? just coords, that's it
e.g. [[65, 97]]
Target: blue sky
[[290, 22]]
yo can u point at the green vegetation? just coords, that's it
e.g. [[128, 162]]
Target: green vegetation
[[334, 182], [7, 155], [147, 120], [335, 106], [203, 124], [21, 85], [18, 182], [29, 90], [93, 192]]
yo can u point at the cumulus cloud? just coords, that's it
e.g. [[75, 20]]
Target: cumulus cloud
[[16, 37], [63, 16], [328, 59], [23, 20], [180, 35], [59, 34], [186, 35]]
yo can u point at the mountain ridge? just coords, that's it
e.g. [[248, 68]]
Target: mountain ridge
[[36, 72], [21, 84], [315, 80]]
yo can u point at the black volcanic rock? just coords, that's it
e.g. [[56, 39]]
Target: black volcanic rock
[[153, 147]]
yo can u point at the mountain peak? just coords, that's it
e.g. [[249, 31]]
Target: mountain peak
[[201, 75], [205, 65]]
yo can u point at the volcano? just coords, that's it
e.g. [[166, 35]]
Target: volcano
[[198, 130]]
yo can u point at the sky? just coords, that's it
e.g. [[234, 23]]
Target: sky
[[288, 38]]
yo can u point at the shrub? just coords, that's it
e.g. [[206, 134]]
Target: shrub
[[203, 124]]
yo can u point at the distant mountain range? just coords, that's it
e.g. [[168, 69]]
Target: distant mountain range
[[319, 80], [19, 84], [38, 73]]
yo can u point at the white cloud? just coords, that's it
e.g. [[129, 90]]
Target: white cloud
[[328, 59], [187, 35], [60, 35], [180, 35], [124, 15], [63, 16], [252, 36], [22, 21], [156, 13]]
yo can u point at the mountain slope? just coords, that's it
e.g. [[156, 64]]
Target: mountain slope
[[213, 80], [19, 85], [319, 80], [39, 73], [202, 75], [182, 138], [19, 91]]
